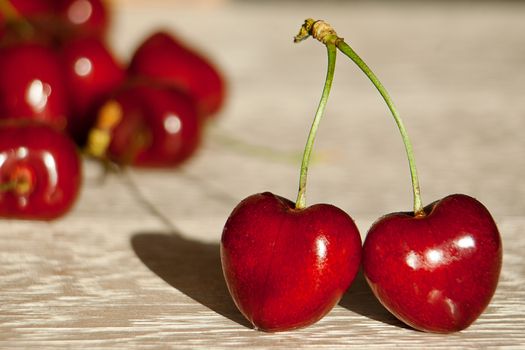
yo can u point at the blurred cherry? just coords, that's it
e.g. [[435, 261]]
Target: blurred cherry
[[91, 73], [146, 125], [40, 171], [32, 85], [163, 58], [84, 17]]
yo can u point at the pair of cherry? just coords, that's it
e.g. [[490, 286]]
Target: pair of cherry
[[286, 265], [56, 69]]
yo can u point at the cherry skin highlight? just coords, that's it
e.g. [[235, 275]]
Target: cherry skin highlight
[[40, 171], [162, 57], [286, 268], [83, 17], [437, 272], [32, 85]]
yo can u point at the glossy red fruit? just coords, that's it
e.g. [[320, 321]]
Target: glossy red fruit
[[286, 268], [40, 172], [83, 17], [32, 85], [163, 58], [91, 74], [436, 272], [147, 125]]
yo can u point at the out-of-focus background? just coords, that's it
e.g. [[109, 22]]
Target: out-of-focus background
[[135, 264]]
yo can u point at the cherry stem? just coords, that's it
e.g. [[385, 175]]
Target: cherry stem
[[301, 196], [319, 30]]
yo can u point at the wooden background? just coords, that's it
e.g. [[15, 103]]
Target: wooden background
[[136, 263]]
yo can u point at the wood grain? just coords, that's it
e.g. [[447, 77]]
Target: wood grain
[[136, 264]]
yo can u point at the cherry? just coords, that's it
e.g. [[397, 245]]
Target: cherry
[[83, 17], [435, 269], [91, 73], [146, 125], [32, 85], [40, 171], [162, 57], [435, 272], [287, 265]]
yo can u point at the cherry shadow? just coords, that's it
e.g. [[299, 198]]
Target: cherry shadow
[[194, 267], [360, 299], [190, 266]]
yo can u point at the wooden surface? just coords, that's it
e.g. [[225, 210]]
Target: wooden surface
[[136, 263]]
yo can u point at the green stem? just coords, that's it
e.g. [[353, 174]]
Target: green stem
[[318, 30], [348, 51], [301, 196]]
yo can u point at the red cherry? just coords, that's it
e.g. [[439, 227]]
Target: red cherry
[[85, 17], [286, 267], [40, 172], [163, 58], [436, 272], [150, 126], [31, 85], [91, 73]]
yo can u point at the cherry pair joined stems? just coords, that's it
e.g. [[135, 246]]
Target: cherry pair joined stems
[[323, 32]]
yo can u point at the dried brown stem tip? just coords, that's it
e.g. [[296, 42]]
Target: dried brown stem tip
[[319, 30]]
